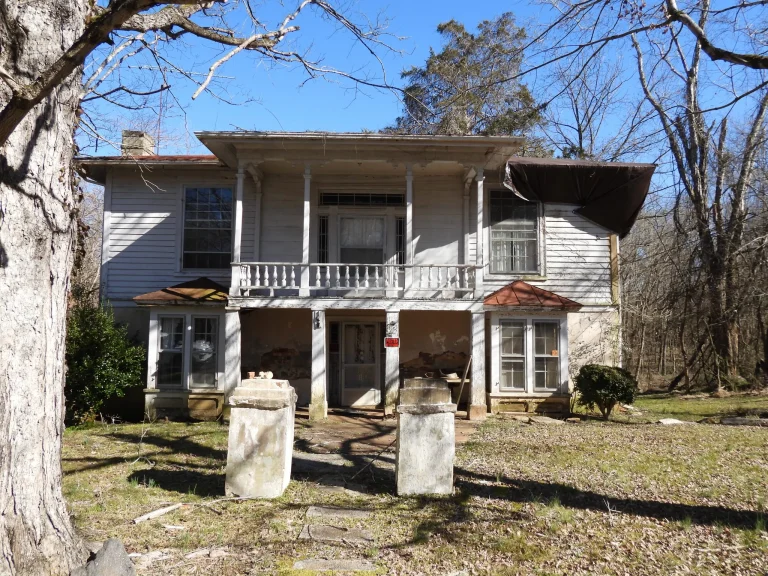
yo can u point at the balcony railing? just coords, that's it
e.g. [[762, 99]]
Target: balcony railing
[[265, 279]]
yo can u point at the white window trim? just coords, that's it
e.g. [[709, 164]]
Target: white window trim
[[530, 380], [541, 271], [153, 352], [217, 273]]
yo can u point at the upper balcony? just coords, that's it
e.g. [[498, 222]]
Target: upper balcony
[[285, 279]]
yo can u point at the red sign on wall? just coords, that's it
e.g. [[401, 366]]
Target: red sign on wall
[[391, 342]]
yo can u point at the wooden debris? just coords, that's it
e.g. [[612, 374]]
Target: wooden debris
[[157, 513]]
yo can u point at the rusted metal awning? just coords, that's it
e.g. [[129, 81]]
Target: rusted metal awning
[[199, 291], [522, 294], [610, 194]]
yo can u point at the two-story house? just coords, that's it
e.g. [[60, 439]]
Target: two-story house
[[346, 262]]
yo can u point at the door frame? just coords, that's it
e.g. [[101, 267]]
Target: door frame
[[376, 387]]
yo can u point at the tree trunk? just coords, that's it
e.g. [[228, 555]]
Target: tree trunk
[[36, 234]]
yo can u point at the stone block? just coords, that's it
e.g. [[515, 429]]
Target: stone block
[[426, 441], [260, 438]]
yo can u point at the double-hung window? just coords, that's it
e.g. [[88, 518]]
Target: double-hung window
[[170, 361], [173, 347], [512, 355], [207, 228], [546, 351], [514, 234]]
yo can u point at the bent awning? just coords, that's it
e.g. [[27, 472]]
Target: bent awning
[[610, 194], [199, 291]]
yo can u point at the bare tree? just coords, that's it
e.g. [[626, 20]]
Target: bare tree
[[45, 45]]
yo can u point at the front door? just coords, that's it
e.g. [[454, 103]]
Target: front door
[[360, 364]]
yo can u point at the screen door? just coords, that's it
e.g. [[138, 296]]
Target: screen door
[[360, 364]]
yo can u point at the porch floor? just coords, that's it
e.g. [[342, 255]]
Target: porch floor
[[353, 448]]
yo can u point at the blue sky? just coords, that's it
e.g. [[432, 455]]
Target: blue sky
[[282, 100]]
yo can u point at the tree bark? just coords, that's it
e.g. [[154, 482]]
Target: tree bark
[[37, 230]]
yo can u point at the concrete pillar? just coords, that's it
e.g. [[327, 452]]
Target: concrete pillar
[[304, 289], [478, 407], [318, 404], [260, 447], [232, 350], [392, 364], [426, 438]]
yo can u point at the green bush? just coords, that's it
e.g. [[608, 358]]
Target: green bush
[[102, 361], [604, 386]]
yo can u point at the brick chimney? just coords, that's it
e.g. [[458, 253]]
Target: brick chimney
[[137, 143]]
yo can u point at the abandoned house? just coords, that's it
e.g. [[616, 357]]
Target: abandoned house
[[347, 262]]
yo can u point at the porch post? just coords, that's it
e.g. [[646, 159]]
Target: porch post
[[408, 228], [318, 405], [480, 234], [232, 348], [392, 365], [304, 290], [478, 407], [234, 289]]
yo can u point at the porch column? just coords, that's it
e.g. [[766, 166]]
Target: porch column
[[234, 289], [318, 405], [408, 228], [304, 290], [478, 407], [232, 348], [480, 234], [392, 365]]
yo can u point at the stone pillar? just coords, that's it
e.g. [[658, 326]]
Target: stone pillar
[[260, 438], [318, 405], [478, 407], [232, 350], [426, 440], [392, 365]]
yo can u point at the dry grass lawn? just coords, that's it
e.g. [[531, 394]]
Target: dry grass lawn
[[623, 497]]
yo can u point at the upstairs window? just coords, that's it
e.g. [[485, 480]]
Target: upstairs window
[[514, 234], [207, 228], [361, 240]]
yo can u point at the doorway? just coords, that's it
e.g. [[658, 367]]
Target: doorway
[[360, 364]]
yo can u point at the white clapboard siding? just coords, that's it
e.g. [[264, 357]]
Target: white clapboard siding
[[437, 220], [282, 218], [144, 226]]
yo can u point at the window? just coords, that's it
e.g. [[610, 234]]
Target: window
[[546, 350], [204, 353], [207, 228], [361, 241], [360, 199], [322, 240], [170, 362], [512, 355], [400, 240], [514, 233]]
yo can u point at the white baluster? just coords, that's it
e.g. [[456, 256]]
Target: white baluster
[[357, 276], [421, 276], [317, 277], [338, 278], [439, 276], [429, 277], [346, 277], [257, 272], [365, 278], [275, 276], [376, 277], [285, 278]]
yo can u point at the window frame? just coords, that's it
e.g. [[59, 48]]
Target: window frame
[[182, 352], [180, 229], [540, 270], [502, 356], [497, 320], [187, 314], [536, 356]]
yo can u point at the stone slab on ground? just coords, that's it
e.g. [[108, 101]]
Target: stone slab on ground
[[744, 421], [322, 565], [335, 512], [673, 422], [545, 420], [324, 533]]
